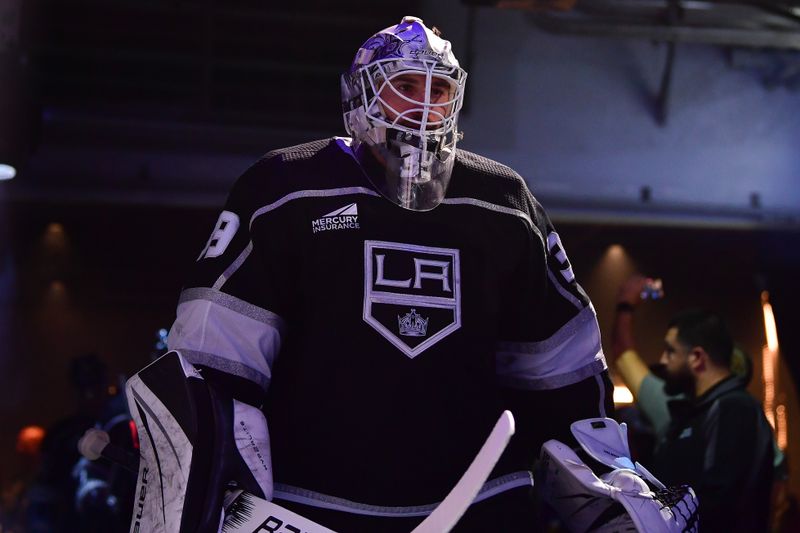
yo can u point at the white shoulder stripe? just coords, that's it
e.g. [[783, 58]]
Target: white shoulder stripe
[[311, 193], [344, 191], [498, 209], [242, 257]]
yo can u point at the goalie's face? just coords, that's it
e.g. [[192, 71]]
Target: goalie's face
[[417, 101]]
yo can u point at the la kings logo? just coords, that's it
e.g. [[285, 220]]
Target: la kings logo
[[412, 294], [343, 218]]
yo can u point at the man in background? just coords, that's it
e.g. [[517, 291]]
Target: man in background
[[712, 435]]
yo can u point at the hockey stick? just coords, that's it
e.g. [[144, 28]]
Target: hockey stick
[[246, 513], [455, 504]]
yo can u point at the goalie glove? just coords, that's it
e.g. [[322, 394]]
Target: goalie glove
[[626, 497], [196, 437]]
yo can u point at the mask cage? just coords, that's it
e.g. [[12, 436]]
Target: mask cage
[[375, 78]]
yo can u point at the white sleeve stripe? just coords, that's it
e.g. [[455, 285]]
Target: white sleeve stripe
[[226, 365], [239, 261], [562, 291], [562, 335], [554, 382], [219, 326], [572, 354], [234, 304], [601, 389]]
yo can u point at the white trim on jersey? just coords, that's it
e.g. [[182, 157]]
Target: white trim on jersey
[[571, 354], [310, 193], [312, 498], [223, 332], [601, 401], [498, 209], [345, 144], [564, 292], [233, 267]]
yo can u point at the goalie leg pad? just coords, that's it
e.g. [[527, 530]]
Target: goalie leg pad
[[167, 429], [252, 440], [195, 439]]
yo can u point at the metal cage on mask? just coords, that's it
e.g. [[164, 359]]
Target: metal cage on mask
[[416, 144]]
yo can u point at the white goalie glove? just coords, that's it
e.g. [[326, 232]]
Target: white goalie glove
[[627, 497], [196, 436]]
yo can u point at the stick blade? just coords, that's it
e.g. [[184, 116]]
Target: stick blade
[[448, 513]]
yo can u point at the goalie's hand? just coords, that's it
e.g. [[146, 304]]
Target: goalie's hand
[[199, 430]]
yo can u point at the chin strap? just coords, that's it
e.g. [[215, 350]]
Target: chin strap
[[396, 137]]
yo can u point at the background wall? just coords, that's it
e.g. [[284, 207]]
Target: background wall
[[577, 116]]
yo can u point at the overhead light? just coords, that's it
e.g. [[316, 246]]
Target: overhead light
[[7, 172], [615, 251]]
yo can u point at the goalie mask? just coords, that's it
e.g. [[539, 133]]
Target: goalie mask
[[401, 98]]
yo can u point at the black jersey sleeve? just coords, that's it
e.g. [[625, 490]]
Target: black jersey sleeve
[[229, 315], [550, 363], [549, 336]]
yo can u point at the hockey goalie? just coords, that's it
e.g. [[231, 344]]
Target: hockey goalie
[[363, 312]]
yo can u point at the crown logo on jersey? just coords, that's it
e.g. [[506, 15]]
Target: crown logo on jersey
[[413, 325]]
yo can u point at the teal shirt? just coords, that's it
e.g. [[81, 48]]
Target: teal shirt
[[652, 401]]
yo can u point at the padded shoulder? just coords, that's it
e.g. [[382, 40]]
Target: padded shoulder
[[299, 152], [484, 165], [321, 164], [477, 176]]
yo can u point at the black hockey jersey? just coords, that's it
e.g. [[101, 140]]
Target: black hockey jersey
[[388, 341]]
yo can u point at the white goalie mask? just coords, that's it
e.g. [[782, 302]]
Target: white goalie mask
[[401, 98]]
